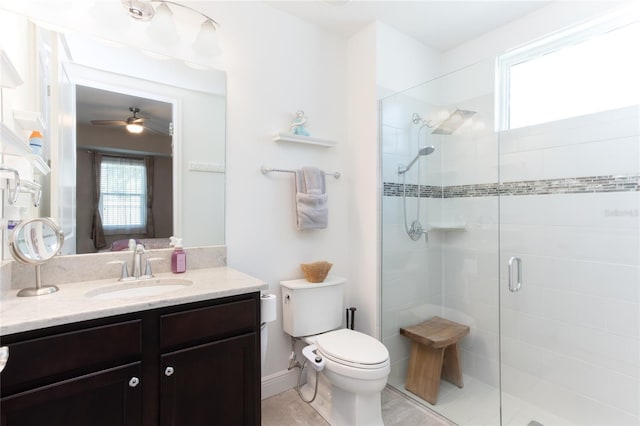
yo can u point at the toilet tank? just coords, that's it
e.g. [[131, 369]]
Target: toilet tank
[[312, 308]]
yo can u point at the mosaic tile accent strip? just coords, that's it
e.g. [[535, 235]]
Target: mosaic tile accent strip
[[578, 185], [392, 189]]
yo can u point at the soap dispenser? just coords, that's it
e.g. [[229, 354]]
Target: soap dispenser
[[178, 257]]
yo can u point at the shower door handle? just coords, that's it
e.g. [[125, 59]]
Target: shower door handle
[[513, 287]]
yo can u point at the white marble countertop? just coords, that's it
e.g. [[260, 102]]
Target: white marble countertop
[[71, 303]]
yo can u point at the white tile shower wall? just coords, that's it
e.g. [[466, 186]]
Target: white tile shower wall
[[470, 155], [604, 143], [401, 140], [470, 276]]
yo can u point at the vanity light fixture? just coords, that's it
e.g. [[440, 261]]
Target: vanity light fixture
[[162, 26]]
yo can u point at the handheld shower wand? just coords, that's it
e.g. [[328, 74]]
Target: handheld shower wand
[[425, 150]]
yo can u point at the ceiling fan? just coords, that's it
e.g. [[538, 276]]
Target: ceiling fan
[[134, 124]]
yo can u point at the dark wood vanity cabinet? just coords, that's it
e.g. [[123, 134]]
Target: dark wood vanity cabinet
[[192, 364]]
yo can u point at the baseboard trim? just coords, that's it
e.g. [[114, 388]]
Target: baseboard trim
[[279, 382]]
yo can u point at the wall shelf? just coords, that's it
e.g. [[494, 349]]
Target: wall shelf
[[39, 164], [288, 137], [9, 77], [447, 226], [29, 120], [12, 144]]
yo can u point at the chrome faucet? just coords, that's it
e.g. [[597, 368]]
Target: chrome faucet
[[137, 261], [136, 265]]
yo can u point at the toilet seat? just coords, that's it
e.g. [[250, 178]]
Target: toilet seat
[[354, 349]]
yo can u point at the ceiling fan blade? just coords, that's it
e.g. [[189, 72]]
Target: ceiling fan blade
[[109, 122], [157, 132]]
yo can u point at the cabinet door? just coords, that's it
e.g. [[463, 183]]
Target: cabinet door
[[212, 384], [107, 398]]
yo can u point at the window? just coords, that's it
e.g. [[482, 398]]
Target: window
[[588, 69], [123, 195]]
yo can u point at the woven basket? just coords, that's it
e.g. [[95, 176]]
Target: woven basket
[[316, 272]]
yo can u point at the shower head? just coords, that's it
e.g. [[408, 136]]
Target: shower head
[[425, 150], [453, 122]]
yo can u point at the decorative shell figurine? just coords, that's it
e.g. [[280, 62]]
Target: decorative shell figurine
[[316, 272]]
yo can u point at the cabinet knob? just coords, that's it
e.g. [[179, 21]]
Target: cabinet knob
[[134, 382], [168, 371]]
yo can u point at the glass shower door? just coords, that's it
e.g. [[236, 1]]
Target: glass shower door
[[569, 271], [451, 191]]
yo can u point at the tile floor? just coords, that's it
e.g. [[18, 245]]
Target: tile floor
[[287, 409]]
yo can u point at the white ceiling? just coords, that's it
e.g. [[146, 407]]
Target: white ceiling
[[96, 104], [441, 24]]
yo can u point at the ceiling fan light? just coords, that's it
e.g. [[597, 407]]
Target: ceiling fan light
[[207, 40], [162, 28], [134, 128]]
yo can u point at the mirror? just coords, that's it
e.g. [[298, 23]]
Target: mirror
[[104, 143], [183, 111], [77, 65], [34, 242]]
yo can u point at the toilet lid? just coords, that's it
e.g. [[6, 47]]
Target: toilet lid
[[352, 347]]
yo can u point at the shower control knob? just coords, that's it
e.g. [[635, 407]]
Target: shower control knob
[[168, 371]]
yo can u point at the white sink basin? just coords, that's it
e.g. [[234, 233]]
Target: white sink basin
[[145, 288]]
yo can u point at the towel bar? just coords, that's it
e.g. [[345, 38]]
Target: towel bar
[[266, 170]]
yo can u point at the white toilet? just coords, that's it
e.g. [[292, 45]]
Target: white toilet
[[356, 365]]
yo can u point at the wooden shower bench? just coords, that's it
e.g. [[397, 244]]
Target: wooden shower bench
[[434, 355]]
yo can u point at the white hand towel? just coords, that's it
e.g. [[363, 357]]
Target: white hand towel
[[311, 199]]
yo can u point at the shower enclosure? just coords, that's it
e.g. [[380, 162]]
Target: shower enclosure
[[553, 205]]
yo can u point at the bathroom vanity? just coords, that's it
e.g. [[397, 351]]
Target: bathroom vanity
[[189, 357]]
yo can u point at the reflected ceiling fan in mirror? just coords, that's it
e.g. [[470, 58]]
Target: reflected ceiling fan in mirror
[[133, 123]]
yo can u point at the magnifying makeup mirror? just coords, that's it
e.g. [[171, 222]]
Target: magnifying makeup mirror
[[34, 242]]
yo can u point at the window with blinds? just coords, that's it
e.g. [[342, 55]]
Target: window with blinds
[[123, 195]]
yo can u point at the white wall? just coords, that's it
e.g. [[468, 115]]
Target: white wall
[[402, 61], [276, 65], [362, 114]]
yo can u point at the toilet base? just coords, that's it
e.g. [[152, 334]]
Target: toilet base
[[350, 409], [341, 408]]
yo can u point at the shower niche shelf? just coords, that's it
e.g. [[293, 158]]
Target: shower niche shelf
[[447, 226], [288, 137]]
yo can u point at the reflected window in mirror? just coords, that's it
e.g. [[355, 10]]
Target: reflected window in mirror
[[123, 195]]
